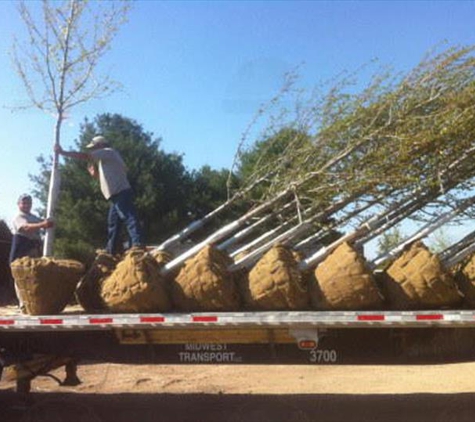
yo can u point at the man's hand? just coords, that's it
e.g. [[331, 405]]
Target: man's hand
[[91, 168], [48, 223], [58, 149], [34, 227]]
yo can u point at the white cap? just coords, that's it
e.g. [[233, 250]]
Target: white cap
[[97, 140]]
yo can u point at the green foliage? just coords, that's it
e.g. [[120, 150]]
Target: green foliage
[[268, 151], [396, 134], [207, 190], [273, 155], [404, 138]]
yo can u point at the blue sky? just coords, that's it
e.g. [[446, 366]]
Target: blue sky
[[195, 72]]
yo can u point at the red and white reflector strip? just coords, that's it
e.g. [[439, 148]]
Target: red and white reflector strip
[[346, 319]]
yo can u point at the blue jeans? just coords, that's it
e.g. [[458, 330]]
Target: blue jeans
[[122, 210]]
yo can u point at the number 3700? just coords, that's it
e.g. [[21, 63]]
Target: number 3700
[[323, 356]]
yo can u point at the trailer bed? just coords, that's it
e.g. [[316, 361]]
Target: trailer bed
[[74, 318], [343, 337]]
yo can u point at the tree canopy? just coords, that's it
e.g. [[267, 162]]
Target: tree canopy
[[58, 62], [363, 159]]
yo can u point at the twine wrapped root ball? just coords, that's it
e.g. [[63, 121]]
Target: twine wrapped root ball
[[343, 282], [88, 292], [205, 284], [46, 285], [136, 286], [465, 279], [417, 280], [275, 283]]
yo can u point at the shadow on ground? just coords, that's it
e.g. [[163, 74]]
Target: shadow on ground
[[67, 407]]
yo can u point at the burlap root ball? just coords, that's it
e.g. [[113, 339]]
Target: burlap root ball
[[88, 291], [46, 285], [343, 282], [465, 279], [135, 286], [275, 282], [416, 280], [205, 284]]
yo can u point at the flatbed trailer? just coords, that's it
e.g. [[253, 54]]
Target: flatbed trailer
[[310, 337]]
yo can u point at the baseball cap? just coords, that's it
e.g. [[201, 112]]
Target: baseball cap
[[24, 196], [97, 140]]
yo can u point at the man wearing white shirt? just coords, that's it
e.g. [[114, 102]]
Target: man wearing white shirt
[[27, 227]]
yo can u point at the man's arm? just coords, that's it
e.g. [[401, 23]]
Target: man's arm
[[32, 227], [73, 154]]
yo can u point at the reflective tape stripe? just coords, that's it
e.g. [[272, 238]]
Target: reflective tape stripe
[[370, 318], [205, 319], [101, 320], [429, 317], [152, 319], [51, 321], [293, 319]]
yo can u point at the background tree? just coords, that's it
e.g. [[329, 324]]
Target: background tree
[[57, 63], [273, 155], [389, 240], [207, 188]]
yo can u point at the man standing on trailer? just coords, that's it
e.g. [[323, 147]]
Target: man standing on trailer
[[107, 165]]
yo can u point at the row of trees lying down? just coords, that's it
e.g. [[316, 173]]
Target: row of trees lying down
[[342, 164], [348, 165]]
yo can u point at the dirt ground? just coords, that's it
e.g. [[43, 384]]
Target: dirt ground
[[270, 393]]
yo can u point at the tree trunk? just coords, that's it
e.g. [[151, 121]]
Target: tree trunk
[[53, 193]]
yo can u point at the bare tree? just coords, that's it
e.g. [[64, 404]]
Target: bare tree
[[57, 64]]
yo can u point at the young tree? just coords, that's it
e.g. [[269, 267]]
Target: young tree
[[57, 63]]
